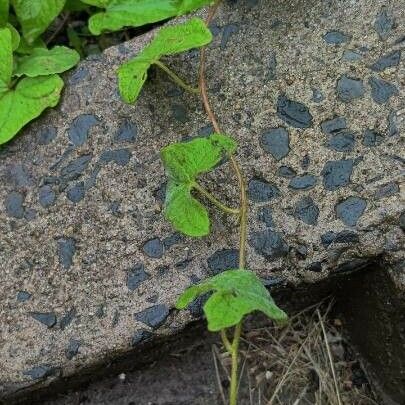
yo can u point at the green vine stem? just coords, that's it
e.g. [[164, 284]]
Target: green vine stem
[[216, 202], [176, 78], [233, 347]]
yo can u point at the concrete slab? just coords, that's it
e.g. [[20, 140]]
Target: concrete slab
[[90, 268]]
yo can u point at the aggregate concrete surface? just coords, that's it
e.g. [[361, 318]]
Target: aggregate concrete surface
[[313, 92]]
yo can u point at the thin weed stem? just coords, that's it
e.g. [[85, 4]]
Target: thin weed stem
[[215, 201]]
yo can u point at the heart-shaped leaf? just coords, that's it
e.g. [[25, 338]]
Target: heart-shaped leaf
[[236, 293], [30, 97], [36, 15], [135, 13], [184, 162], [168, 41], [42, 61]]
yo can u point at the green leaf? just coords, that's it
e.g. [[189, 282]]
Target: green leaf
[[26, 102], [15, 36], [135, 13], [183, 163], [168, 41], [36, 15], [75, 5], [6, 56], [42, 61], [4, 6], [236, 293]]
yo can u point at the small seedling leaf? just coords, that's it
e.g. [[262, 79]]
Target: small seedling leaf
[[6, 56], [236, 293], [168, 41], [135, 13], [30, 97], [36, 15], [183, 162], [42, 61], [24, 48]]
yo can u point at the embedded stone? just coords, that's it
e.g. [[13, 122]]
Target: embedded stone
[[119, 156], [342, 142], [75, 168], [47, 135], [387, 190], [127, 132], [140, 336], [23, 296], [136, 276], [372, 138], [293, 113], [392, 127], [154, 316], [304, 182], [272, 72], [72, 349], [221, 260], [40, 372], [315, 266], [179, 113], [351, 56], [276, 141], [286, 171], [265, 215], [14, 205], [261, 191], [18, 175], [227, 32], [386, 61], [349, 88], [317, 96], [384, 23], [46, 196], [269, 244], [46, 318], [307, 211], [334, 125], [337, 174], [335, 38], [67, 319], [350, 210], [381, 90], [80, 128], [66, 251], [76, 193], [154, 248]]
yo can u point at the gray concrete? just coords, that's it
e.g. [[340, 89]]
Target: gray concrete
[[89, 266]]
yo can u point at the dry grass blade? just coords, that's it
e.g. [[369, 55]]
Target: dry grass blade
[[218, 377]]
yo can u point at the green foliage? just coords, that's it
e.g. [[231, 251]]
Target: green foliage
[[168, 41], [135, 13], [236, 293], [36, 15], [42, 61], [15, 37], [4, 7], [183, 163], [6, 58]]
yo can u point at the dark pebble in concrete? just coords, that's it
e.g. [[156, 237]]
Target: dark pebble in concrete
[[227, 31], [67, 319], [353, 265], [127, 132], [14, 205], [18, 175], [75, 168], [265, 215], [334, 125], [386, 61], [66, 251], [381, 90], [335, 38], [179, 113], [305, 162], [79, 130], [387, 190], [304, 182], [293, 113], [337, 174], [196, 306], [100, 312], [341, 142], [46, 318], [114, 208], [221, 260], [78, 75], [172, 240], [153, 316], [39, 372], [317, 96], [72, 349], [269, 244], [30, 214], [307, 211], [76, 193], [261, 191], [272, 72], [350, 210], [286, 171], [47, 135], [140, 336], [346, 236], [328, 238], [372, 138], [392, 127], [351, 56], [136, 276], [276, 141], [402, 221], [154, 248], [315, 267], [119, 156], [23, 296], [46, 196], [384, 23], [349, 88]]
